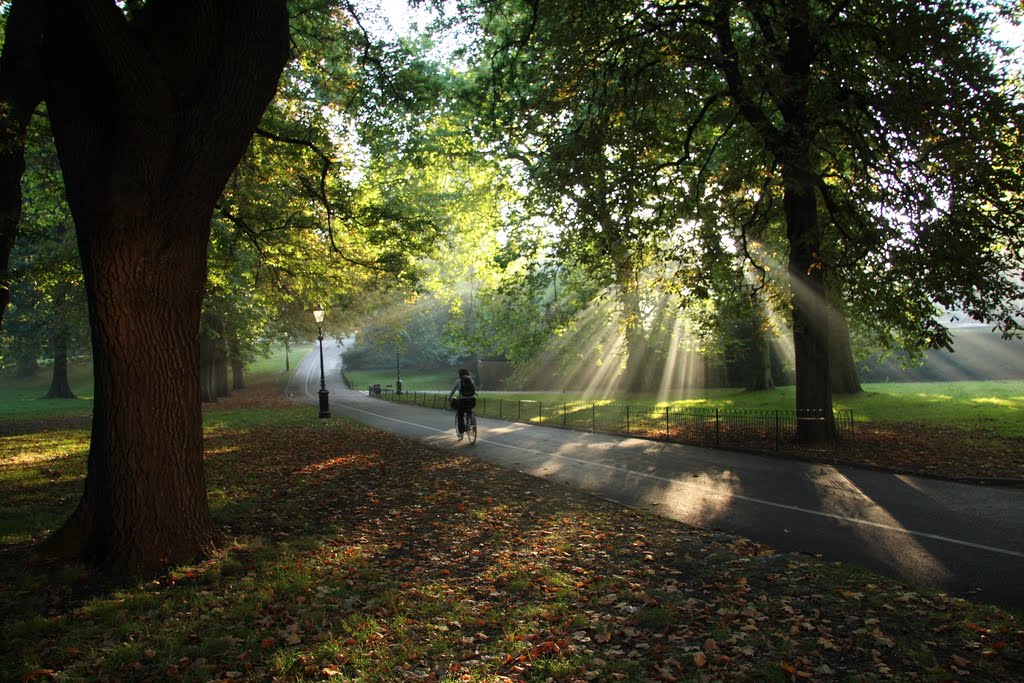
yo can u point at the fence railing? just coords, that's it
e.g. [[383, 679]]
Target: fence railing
[[764, 430]]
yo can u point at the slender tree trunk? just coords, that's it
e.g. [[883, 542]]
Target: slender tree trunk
[[237, 374], [221, 382], [807, 270], [59, 385], [843, 370], [223, 385], [761, 378], [635, 347], [235, 359], [207, 366], [636, 350], [150, 117]]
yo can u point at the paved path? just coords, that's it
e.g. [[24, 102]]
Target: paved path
[[961, 538]]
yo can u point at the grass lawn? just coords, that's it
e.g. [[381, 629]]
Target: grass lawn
[[352, 555], [23, 398], [412, 379]]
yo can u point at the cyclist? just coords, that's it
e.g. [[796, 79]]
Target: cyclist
[[466, 400]]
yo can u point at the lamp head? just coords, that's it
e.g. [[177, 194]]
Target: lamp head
[[318, 314]]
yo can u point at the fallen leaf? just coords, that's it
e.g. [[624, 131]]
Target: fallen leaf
[[959, 662]]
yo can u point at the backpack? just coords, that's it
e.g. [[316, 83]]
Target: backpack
[[467, 388]]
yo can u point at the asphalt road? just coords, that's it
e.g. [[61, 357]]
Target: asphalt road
[[960, 538]]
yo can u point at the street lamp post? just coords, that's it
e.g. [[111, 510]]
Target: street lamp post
[[398, 370], [318, 315]]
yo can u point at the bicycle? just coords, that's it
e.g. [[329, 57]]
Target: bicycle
[[471, 426], [469, 418]]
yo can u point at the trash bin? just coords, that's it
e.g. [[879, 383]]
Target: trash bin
[[376, 390]]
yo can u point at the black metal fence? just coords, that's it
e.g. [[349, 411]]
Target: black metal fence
[[763, 430]]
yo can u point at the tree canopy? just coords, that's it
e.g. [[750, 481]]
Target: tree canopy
[[877, 139]]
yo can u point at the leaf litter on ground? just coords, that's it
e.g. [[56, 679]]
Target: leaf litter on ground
[[349, 554]]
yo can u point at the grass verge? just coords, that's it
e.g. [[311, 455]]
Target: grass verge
[[352, 555]]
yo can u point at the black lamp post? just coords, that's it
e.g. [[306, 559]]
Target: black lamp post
[[318, 315], [398, 370]]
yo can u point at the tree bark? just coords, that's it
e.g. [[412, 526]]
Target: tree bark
[[815, 419], [150, 117]]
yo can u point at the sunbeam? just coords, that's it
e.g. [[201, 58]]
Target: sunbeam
[[668, 378], [842, 497], [606, 368], [782, 339]]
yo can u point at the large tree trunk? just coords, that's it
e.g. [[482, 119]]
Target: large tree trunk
[[150, 117], [815, 419], [807, 270], [144, 503], [791, 144]]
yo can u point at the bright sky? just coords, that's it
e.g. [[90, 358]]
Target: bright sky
[[401, 16]]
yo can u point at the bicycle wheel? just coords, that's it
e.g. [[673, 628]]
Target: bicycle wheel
[[471, 427]]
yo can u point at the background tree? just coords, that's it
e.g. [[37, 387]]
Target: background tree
[[331, 204], [20, 93], [874, 137], [570, 105], [48, 314], [858, 120]]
